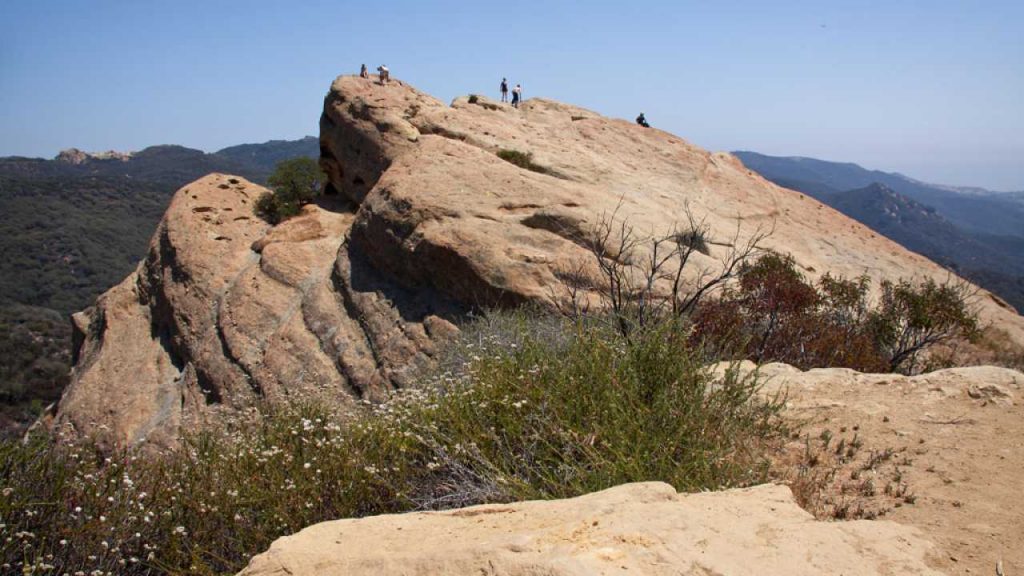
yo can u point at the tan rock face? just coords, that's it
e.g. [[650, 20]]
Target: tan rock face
[[631, 529], [439, 208], [342, 303], [226, 311]]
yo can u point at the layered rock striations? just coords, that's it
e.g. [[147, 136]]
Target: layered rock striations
[[227, 311], [423, 222]]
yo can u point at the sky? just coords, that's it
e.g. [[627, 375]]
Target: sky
[[932, 89]]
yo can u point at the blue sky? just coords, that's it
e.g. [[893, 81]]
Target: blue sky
[[932, 89]]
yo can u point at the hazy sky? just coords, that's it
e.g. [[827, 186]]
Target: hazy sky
[[933, 89]]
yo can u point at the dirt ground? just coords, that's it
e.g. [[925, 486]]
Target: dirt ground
[[943, 452]]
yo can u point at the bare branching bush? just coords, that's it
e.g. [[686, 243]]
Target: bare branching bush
[[645, 279]]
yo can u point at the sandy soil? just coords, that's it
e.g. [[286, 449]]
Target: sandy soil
[[947, 450]]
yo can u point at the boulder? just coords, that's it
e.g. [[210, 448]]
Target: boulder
[[644, 528]]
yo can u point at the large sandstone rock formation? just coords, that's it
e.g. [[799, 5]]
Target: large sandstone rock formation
[[632, 529], [345, 300], [227, 311]]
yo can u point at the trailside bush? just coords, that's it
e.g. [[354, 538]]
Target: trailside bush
[[911, 318], [523, 408], [295, 182], [774, 314]]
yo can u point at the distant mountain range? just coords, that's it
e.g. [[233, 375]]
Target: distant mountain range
[[166, 164], [77, 224], [74, 226], [972, 209], [975, 232]]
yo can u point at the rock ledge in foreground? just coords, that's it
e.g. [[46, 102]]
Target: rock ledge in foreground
[[644, 528]]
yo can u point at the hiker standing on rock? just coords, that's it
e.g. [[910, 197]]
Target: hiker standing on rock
[[385, 74], [517, 93], [363, 72], [504, 89]]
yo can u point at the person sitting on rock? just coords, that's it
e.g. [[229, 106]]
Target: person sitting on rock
[[363, 72], [504, 89], [517, 93], [642, 121], [385, 74]]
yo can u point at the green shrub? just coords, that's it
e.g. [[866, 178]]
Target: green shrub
[[912, 318], [473, 98], [522, 159], [295, 182], [521, 408], [275, 208]]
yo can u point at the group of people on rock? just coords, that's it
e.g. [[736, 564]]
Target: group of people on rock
[[517, 93], [384, 77], [383, 74]]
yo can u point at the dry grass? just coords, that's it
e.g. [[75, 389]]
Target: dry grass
[[836, 477]]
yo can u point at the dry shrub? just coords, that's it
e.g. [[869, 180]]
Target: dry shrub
[[774, 314], [837, 477]]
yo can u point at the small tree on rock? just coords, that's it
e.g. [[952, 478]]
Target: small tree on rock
[[295, 182]]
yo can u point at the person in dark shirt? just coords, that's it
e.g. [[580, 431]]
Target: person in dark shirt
[[642, 121]]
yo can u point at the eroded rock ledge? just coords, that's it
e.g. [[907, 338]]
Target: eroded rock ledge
[[631, 529]]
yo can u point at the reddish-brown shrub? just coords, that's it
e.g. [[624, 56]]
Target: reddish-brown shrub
[[774, 314]]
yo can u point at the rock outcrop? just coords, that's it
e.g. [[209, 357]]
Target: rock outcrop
[[631, 529], [75, 156], [345, 300], [227, 311], [439, 208]]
